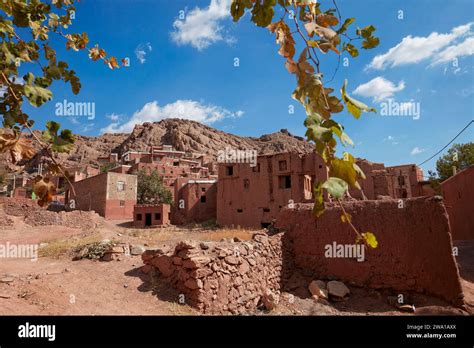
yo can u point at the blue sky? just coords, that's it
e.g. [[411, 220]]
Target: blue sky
[[185, 68]]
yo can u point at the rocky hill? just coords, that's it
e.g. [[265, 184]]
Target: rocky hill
[[191, 136], [184, 135]]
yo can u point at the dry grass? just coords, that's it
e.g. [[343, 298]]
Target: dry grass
[[170, 234], [181, 309], [217, 235], [61, 247]]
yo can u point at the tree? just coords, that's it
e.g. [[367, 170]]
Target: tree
[[321, 33], [26, 27], [106, 167], [460, 156], [151, 189]]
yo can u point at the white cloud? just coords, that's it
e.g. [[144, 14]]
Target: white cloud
[[416, 151], [416, 49], [379, 89], [141, 51], [465, 48], [202, 27], [185, 109]]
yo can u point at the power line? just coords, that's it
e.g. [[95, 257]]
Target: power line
[[437, 153]]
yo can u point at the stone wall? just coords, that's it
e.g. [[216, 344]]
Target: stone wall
[[223, 278], [414, 251]]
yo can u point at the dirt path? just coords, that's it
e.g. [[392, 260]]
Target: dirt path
[[60, 286]]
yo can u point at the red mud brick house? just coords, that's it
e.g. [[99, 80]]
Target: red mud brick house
[[111, 195], [253, 196], [107, 160], [458, 194], [195, 201], [169, 163], [404, 181], [151, 215], [74, 174]]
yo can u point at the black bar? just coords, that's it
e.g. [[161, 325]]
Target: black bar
[[260, 330]]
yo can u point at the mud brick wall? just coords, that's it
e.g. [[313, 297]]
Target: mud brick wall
[[458, 193], [414, 251], [222, 278]]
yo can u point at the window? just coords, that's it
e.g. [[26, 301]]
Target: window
[[284, 182], [120, 186], [246, 184], [157, 216], [203, 199], [240, 211], [401, 180], [139, 217], [266, 210], [282, 165], [229, 170], [122, 203], [176, 164], [256, 169], [203, 189]]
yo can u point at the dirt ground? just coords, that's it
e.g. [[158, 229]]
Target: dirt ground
[[56, 285]]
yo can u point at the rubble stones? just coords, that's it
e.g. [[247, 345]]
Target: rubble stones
[[36, 216], [232, 260], [407, 308], [137, 249], [337, 289], [204, 245], [270, 300], [7, 280], [193, 284], [196, 262], [317, 289]]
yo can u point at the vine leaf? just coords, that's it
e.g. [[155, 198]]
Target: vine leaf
[[96, 53], [369, 239], [237, 8], [345, 25], [344, 170], [44, 190], [63, 142], [262, 12], [354, 106], [336, 187], [318, 208], [18, 147], [370, 41], [35, 94], [326, 20], [346, 217], [284, 38]]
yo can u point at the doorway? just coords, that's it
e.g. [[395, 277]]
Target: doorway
[[148, 219]]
